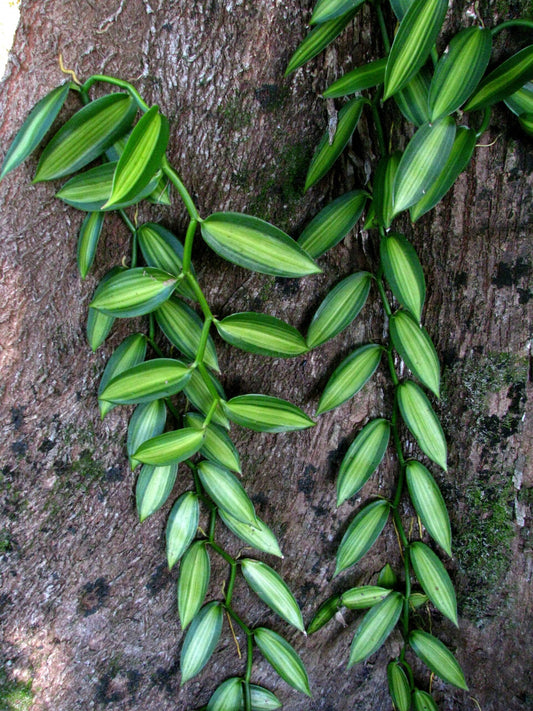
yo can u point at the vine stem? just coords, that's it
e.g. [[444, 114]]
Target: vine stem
[[511, 23], [116, 82], [174, 178], [383, 28]]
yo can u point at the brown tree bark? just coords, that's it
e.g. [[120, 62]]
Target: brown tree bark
[[88, 607]]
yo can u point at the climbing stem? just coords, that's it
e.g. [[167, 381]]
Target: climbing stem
[[187, 250], [511, 23], [174, 178], [222, 553], [383, 28], [231, 582], [203, 341], [116, 82], [377, 123]]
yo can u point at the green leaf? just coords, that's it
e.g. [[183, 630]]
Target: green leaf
[[361, 534], [181, 526], [263, 413], [183, 328], [416, 600], [365, 596], [416, 349], [429, 504], [227, 492], [333, 223], [526, 123], [318, 39], [387, 578], [383, 181], [154, 486], [257, 245], [399, 688], [366, 77], [262, 699], [228, 696], [134, 292], [459, 71], [434, 579], [521, 102], [193, 581], [340, 307], [86, 136], [170, 447], [202, 397], [147, 421], [279, 653], [98, 324], [351, 375], [155, 379], [258, 536], [272, 590], [141, 158], [201, 640], [375, 627], [403, 272], [412, 100], [327, 153], [400, 7], [88, 237], [504, 80], [130, 353], [362, 458], [423, 701], [460, 155], [325, 612], [437, 657], [423, 160], [261, 333], [422, 422], [413, 42], [34, 128], [330, 9], [217, 445]]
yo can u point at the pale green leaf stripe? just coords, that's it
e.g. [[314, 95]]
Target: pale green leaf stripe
[[147, 421], [521, 102], [375, 627], [88, 237], [134, 292], [193, 581], [383, 181], [422, 701], [155, 379], [429, 504], [412, 43], [504, 80], [181, 526], [262, 699], [526, 123], [399, 687], [459, 71], [423, 160], [434, 579], [327, 153], [131, 352], [227, 492], [170, 447], [228, 696], [99, 324], [437, 657], [153, 488], [460, 155], [403, 272], [201, 640], [162, 249], [198, 393], [362, 458], [422, 422], [360, 78], [263, 413], [272, 590], [317, 40], [257, 245], [34, 128], [351, 375], [330, 9], [325, 612], [332, 223], [279, 653], [412, 100], [365, 596], [217, 445], [361, 534], [416, 349], [259, 536], [86, 135], [340, 307], [261, 333]]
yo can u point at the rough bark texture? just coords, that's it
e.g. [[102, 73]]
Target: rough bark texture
[[88, 607]]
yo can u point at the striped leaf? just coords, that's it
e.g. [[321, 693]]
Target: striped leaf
[[154, 486], [362, 458], [193, 581], [181, 526], [366, 77], [272, 590], [263, 413], [34, 128], [521, 102], [459, 71], [325, 613], [413, 42], [416, 349], [170, 447], [134, 292], [130, 353], [86, 136], [387, 578], [412, 100], [259, 536], [399, 687], [261, 333], [416, 600], [279, 653], [201, 640], [429, 504], [361, 534], [99, 324], [400, 7], [384, 176], [351, 375], [88, 237], [262, 699], [147, 421], [403, 272], [153, 380], [434, 579], [202, 396], [257, 245], [375, 627], [327, 153], [365, 596], [227, 697], [227, 492], [423, 701], [217, 445], [340, 307], [422, 422], [437, 657], [330, 9], [526, 123]]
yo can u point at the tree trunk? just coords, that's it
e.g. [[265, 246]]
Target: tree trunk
[[88, 605]]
